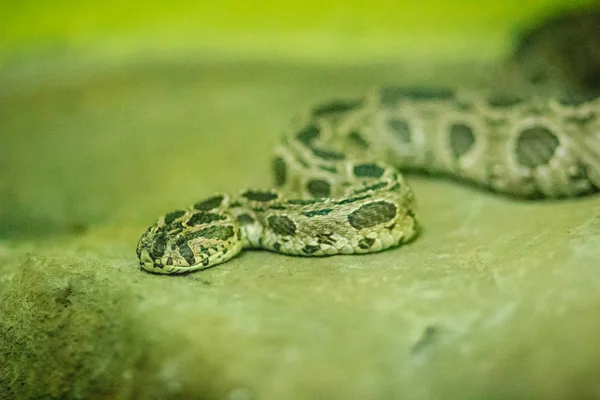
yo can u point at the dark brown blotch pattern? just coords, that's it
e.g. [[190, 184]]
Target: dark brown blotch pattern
[[356, 138], [319, 188], [308, 134], [209, 204], [335, 107], [400, 129], [203, 217], [282, 225], [279, 171], [504, 100], [314, 213], [328, 168], [258, 195], [187, 253], [304, 202], [376, 186], [461, 139], [277, 206], [575, 99], [536, 146], [172, 216], [327, 155], [218, 232], [159, 245], [325, 238], [350, 200], [310, 249], [372, 214], [245, 219], [390, 96], [368, 170]]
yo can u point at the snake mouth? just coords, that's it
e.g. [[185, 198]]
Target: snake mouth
[[150, 264], [161, 265]]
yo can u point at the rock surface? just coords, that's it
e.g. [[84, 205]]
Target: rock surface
[[496, 299]]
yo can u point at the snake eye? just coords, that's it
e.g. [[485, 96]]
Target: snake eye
[[159, 246], [180, 240]]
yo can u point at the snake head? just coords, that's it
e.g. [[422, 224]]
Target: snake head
[[185, 241]]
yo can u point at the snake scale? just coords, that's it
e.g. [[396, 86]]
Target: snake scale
[[339, 189]]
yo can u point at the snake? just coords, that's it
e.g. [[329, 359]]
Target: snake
[[338, 183]]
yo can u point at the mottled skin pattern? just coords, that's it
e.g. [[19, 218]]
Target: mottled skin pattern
[[339, 190]]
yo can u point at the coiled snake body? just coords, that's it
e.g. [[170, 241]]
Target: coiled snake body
[[339, 189]]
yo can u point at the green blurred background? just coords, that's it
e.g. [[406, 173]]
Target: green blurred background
[[338, 30]]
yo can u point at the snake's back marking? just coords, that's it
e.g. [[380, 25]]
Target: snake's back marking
[[337, 173]]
